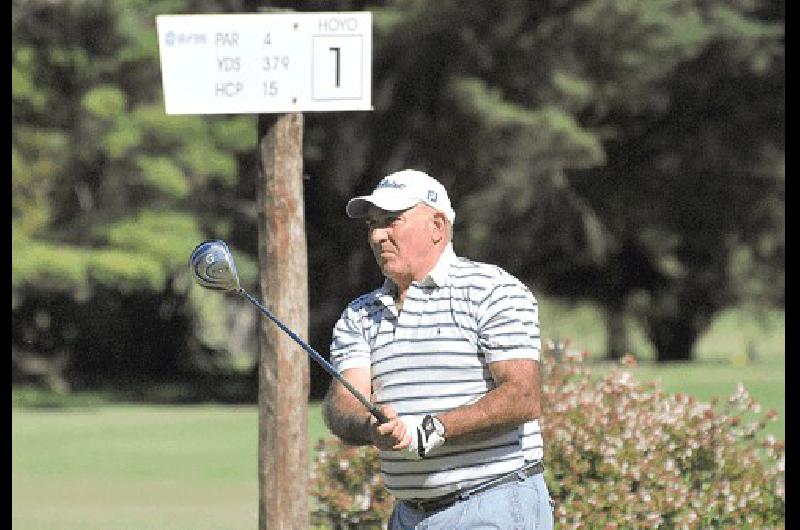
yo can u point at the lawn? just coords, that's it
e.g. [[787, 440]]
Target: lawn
[[93, 465], [138, 467]]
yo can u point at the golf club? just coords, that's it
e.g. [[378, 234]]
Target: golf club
[[212, 266]]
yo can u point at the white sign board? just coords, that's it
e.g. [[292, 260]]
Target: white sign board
[[266, 62]]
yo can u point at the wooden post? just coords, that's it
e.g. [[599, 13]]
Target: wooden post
[[283, 370]]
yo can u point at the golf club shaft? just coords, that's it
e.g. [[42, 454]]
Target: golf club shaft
[[373, 409]]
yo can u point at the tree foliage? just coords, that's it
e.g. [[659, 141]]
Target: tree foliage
[[109, 194], [626, 152]]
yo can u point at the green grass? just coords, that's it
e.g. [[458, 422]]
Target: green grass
[[138, 467]]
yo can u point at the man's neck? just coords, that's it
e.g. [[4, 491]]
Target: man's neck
[[403, 284], [400, 293]]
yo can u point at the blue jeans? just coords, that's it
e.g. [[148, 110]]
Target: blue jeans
[[519, 505]]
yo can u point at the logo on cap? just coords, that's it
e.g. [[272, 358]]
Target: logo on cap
[[432, 196], [390, 184]]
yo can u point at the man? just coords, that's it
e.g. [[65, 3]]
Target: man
[[449, 349]]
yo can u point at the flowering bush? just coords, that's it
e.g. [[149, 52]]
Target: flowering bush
[[618, 454], [348, 487], [621, 454]]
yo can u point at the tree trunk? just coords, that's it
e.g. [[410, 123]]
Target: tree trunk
[[673, 338], [283, 364], [617, 333]]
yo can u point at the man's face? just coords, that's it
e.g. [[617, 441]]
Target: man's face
[[402, 242]]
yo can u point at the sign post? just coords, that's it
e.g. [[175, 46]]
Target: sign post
[[277, 65], [283, 366]]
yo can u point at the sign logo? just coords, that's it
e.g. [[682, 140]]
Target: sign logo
[[172, 38]]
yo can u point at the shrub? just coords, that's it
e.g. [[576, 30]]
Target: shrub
[[621, 454], [618, 454], [348, 487]]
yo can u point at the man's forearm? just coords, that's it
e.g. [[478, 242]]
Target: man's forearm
[[346, 421], [491, 415], [515, 400]]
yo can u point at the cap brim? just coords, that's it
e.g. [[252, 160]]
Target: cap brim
[[359, 206]]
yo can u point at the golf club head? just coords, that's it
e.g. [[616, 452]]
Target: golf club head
[[212, 266]]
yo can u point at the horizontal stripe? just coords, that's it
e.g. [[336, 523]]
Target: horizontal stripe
[[445, 312], [419, 355], [420, 399], [425, 368], [495, 325], [422, 486], [422, 382], [451, 454], [455, 464]]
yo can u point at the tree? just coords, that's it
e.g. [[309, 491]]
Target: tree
[[625, 152], [109, 195], [595, 148]]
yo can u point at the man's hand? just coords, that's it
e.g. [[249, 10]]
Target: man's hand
[[393, 435], [407, 435]]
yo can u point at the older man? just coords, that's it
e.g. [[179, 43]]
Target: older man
[[449, 350]]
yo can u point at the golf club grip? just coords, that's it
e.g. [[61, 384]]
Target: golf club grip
[[328, 367]]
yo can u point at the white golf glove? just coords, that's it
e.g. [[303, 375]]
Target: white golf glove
[[427, 433]]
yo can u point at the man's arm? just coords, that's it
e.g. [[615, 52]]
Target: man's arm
[[508, 335], [515, 400], [344, 415], [347, 418]]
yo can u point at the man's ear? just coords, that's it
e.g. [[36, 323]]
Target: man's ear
[[439, 227]]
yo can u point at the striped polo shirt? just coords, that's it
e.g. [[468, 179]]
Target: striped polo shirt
[[434, 356]]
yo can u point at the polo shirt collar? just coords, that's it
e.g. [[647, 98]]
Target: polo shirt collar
[[440, 274]]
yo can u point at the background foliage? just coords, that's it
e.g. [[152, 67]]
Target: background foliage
[[631, 154]]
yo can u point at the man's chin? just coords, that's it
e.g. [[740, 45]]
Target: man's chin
[[389, 271]]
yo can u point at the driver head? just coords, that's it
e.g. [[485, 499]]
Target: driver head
[[212, 266]]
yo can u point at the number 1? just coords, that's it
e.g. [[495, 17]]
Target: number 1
[[337, 51]]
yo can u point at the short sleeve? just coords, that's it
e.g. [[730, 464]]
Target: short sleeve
[[349, 347], [508, 322]]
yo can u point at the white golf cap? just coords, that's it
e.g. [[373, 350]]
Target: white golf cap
[[402, 190]]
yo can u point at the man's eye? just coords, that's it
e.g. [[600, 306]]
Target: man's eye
[[382, 222]]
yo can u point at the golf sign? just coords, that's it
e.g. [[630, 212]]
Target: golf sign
[[266, 62]]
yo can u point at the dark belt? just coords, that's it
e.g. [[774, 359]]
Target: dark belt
[[430, 505]]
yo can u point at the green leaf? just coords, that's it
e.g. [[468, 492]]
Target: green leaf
[[48, 266], [122, 139], [128, 271], [105, 102], [164, 175], [234, 134], [206, 161], [168, 237]]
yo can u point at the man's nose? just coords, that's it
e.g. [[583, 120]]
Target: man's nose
[[377, 234]]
